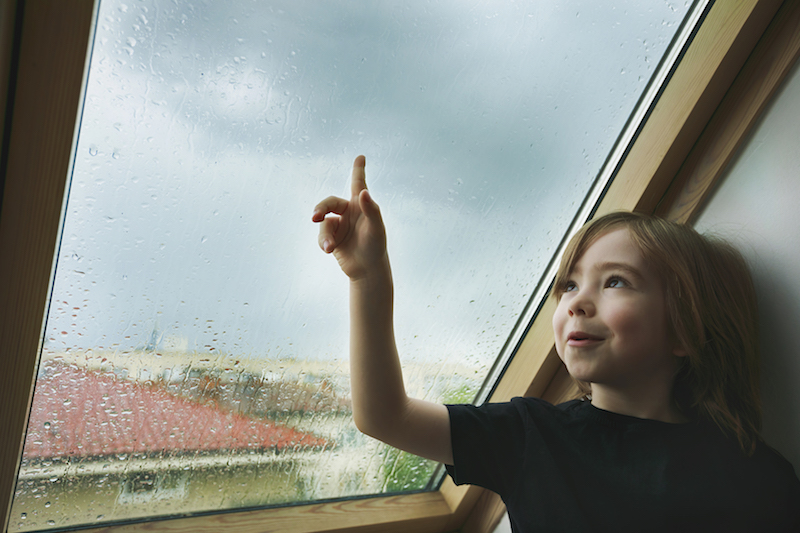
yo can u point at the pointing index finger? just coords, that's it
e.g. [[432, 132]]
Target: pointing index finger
[[359, 178]]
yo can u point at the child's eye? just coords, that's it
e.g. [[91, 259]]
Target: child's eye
[[570, 286], [616, 282]]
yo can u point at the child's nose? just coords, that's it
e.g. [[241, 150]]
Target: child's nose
[[581, 304]]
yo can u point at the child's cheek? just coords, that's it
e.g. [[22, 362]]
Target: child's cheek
[[558, 328]]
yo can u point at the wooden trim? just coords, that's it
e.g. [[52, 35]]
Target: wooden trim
[[770, 62], [461, 499], [8, 18], [425, 513], [562, 387], [52, 58], [486, 514], [429, 512], [725, 40]]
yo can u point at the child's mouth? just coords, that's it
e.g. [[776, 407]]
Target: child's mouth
[[580, 338]]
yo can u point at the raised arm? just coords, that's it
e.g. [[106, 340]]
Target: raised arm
[[353, 231]]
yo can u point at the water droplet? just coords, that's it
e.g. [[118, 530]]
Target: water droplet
[[92, 151], [23, 516], [47, 425]]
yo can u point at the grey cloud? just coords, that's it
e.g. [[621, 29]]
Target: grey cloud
[[218, 123]]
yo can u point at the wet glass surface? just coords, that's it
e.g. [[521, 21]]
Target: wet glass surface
[[195, 351]]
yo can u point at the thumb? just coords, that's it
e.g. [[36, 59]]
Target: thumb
[[368, 205]]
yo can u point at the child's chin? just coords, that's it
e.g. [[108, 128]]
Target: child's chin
[[582, 373]]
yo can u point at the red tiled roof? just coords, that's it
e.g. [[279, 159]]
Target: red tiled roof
[[88, 413]]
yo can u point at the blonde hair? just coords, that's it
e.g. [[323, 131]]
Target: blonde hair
[[711, 304]]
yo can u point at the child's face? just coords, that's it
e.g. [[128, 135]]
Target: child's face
[[611, 323]]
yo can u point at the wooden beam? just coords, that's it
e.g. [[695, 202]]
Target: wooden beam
[[722, 45], [761, 76], [49, 80], [424, 513], [8, 32]]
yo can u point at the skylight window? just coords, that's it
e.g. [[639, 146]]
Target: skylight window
[[194, 356]]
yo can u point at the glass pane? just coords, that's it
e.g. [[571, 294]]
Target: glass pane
[[195, 351]]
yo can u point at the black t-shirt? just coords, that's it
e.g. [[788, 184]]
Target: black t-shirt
[[574, 467]]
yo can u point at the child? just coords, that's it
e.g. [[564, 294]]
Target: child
[[657, 321]]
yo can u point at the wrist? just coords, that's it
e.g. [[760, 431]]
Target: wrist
[[375, 277]]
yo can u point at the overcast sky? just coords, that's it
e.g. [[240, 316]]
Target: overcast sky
[[211, 129]]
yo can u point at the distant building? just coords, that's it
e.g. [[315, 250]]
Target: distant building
[[96, 442]]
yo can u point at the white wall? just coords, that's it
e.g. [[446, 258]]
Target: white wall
[[757, 206], [504, 526]]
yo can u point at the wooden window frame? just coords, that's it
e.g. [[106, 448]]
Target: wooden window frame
[[713, 98]]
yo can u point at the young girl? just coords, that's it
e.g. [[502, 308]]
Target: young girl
[[657, 322]]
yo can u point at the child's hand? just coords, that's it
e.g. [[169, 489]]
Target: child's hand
[[353, 229]]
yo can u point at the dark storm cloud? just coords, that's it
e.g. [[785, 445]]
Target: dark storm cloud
[[212, 128]]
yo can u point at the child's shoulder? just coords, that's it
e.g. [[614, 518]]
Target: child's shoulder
[[582, 411], [532, 402], [542, 411], [769, 462], [518, 413], [533, 405]]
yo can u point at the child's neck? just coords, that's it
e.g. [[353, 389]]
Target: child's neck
[[653, 405]]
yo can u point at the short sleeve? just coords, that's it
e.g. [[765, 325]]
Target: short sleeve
[[488, 444]]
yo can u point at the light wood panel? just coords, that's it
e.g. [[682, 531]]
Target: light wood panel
[[8, 16], [461, 500], [486, 514], [50, 75], [761, 76], [719, 50], [423, 513]]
